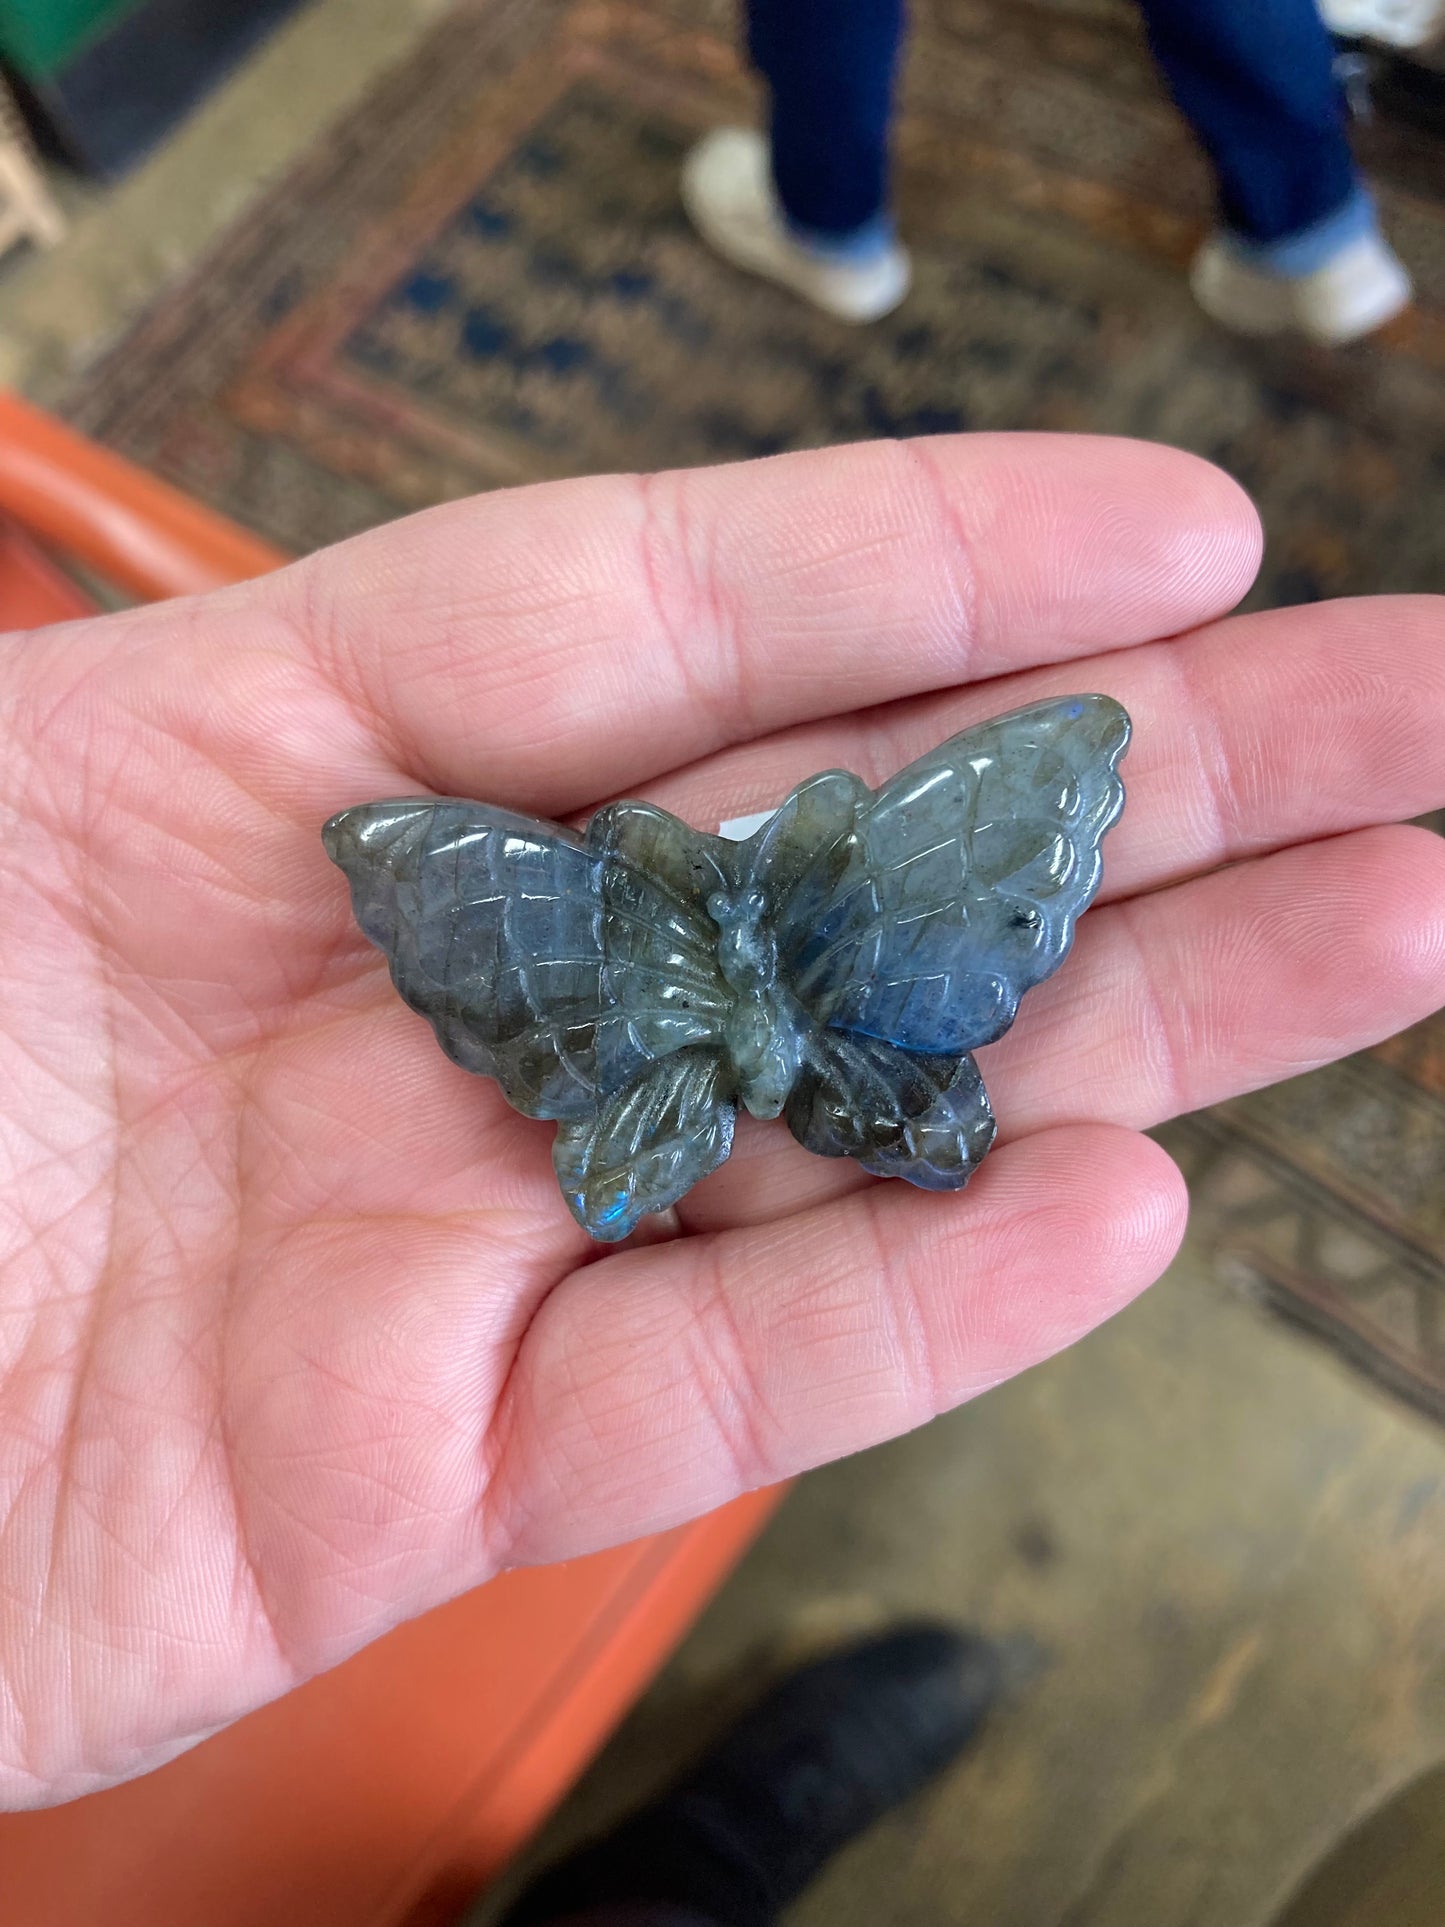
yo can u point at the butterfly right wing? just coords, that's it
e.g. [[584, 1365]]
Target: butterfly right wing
[[921, 912], [910, 920], [529, 949], [901, 1114]]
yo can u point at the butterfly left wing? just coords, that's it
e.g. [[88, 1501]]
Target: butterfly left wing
[[921, 912], [659, 1128], [659, 947], [648, 1143], [562, 967], [543, 959]]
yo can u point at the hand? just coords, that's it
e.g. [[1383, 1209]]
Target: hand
[[298, 1337]]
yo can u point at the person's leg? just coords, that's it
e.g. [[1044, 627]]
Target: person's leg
[[808, 205], [823, 1755], [1255, 79], [830, 66], [1300, 242]]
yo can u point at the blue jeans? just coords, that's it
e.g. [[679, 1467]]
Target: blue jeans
[[1253, 78]]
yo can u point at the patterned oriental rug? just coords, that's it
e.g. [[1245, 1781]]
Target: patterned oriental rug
[[483, 276]]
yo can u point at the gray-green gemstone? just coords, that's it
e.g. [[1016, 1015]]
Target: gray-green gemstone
[[638, 982]]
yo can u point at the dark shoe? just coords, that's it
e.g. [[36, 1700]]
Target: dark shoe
[[822, 1756]]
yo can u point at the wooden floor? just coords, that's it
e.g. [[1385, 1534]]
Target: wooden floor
[[1218, 1557]]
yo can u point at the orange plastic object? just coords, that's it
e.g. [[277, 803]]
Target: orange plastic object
[[387, 1792], [133, 530], [33, 591]]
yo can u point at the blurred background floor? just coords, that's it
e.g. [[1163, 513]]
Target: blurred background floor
[[480, 273], [130, 241], [412, 250], [1218, 1558]]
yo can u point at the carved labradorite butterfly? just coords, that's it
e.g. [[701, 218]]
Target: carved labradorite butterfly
[[638, 981]]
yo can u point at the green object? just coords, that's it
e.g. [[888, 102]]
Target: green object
[[38, 37]]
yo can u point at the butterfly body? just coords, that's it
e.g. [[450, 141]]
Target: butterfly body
[[765, 1026], [638, 982]]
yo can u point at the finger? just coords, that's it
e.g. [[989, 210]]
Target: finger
[[1180, 999], [1254, 733], [1191, 995], [544, 646], [661, 1382]]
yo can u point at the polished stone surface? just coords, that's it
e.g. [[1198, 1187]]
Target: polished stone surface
[[638, 982]]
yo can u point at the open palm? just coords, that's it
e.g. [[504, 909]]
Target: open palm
[[296, 1335]]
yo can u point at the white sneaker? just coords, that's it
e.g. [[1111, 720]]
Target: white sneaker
[[727, 189], [1399, 23], [1360, 289]]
